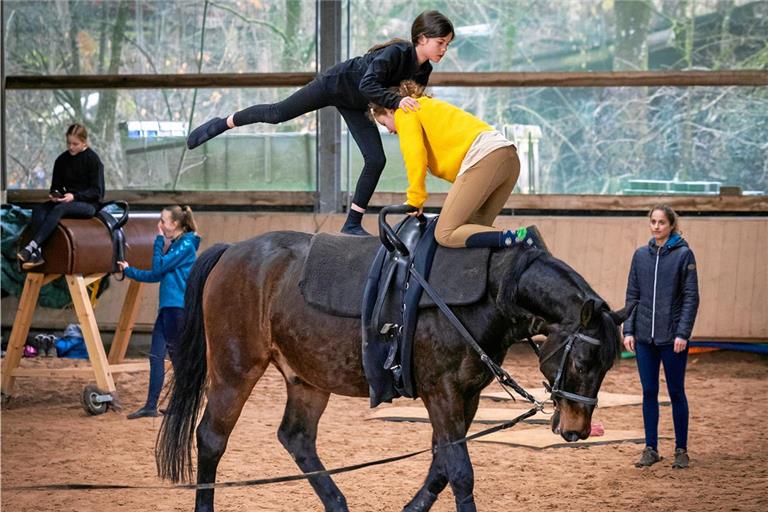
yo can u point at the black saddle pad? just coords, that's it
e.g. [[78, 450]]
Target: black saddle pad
[[337, 266]]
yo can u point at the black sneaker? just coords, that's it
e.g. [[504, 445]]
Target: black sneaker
[[35, 260], [144, 412], [681, 459], [649, 457], [207, 131], [24, 255], [354, 229]]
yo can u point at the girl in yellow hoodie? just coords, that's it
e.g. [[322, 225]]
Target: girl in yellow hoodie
[[458, 147]]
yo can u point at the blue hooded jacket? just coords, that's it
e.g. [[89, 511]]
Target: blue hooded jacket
[[171, 268], [664, 283]]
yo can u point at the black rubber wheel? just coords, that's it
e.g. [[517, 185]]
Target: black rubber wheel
[[88, 400]]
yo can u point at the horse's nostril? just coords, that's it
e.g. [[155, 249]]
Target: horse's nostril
[[570, 436]]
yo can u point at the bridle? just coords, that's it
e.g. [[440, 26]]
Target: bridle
[[555, 390]]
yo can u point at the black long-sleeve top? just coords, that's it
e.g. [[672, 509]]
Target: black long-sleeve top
[[81, 174], [357, 82]]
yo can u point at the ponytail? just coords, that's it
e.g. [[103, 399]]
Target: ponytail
[[392, 41], [183, 215]]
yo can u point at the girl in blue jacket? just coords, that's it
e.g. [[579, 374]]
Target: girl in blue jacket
[[174, 253], [663, 283], [350, 86]]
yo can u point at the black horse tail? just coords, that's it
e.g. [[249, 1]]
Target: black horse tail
[[173, 449]]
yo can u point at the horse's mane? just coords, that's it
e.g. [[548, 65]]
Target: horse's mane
[[525, 258]]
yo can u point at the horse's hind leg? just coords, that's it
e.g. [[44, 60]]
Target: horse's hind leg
[[225, 403], [298, 434]]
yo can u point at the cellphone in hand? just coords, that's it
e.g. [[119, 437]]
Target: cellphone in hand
[[58, 193]]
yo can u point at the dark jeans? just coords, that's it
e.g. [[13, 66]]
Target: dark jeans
[[649, 359], [165, 336], [313, 97], [46, 217]]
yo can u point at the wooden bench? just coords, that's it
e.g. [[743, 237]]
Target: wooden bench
[[81, 251]]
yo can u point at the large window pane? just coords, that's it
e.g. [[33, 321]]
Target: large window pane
[[158, 36], [583, 35], [672, 140], [142, 142]]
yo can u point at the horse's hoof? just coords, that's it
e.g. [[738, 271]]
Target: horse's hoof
[[423, 501], [466, 507]]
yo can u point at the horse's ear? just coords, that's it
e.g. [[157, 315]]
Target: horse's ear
[[587, 312], [590, 311], [621, 315]]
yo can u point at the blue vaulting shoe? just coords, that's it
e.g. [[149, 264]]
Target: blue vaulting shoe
[[530, 237], [525, 237]]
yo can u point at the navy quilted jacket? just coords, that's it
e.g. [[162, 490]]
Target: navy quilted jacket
[[663, 281]]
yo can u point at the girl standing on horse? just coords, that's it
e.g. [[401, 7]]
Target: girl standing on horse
[[664, 283], [174, 252], [350, 86], [77, 188], [458, 147]]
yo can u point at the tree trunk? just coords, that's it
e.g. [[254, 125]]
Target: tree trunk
[[105, 115], [632, 18]]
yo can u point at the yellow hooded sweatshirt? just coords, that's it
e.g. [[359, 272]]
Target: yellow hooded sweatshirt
[[434, 138]]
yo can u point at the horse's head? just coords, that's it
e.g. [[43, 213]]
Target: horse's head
[[574, 359]]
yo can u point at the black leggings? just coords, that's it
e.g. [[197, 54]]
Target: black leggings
[[46, 217], [313, 97]]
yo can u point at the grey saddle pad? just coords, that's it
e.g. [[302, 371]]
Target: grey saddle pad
[[337, 266]]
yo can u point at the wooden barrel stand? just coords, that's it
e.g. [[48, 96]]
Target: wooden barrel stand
[[81, 251]]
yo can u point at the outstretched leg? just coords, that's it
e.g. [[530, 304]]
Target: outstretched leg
[[309, 98], [227, 393], [450, 463], [298, 434]]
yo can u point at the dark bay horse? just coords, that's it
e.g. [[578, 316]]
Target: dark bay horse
[[244, 311]]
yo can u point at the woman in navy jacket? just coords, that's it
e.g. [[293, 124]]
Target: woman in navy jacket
[[664, 284], [173, 255], [350, 86]]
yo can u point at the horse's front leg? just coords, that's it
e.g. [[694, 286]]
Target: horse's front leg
[[450, 419], [433, 485]]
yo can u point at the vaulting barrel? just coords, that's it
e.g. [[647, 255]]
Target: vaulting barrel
[[84, 246]]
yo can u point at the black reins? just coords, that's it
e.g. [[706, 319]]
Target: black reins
[[277, 479]]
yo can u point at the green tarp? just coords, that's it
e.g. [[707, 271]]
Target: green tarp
[[13, 221]]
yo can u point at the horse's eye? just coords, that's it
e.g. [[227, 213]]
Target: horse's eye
[[581, 370]]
